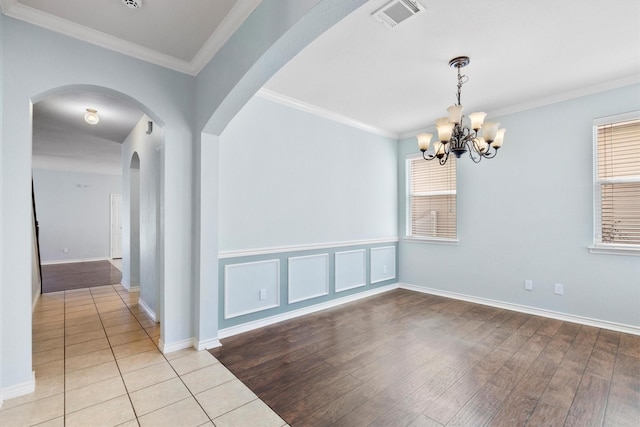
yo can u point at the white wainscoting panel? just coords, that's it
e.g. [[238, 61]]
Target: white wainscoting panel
[[351, 267], [308, 277], [246, 283], [383, 264]]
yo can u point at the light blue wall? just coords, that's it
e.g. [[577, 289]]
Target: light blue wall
[[170, 96], [73, 211], [288, 177], [274, 33], [149, 149], [528, 214], [240, 286], [37, 61]]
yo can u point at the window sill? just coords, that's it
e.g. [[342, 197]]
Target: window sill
[[614, 250], [411, 239]]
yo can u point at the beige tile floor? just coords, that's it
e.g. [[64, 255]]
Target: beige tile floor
[[97, 363]]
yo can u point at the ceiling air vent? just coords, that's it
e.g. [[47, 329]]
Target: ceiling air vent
[[132, 4], [396, 12]]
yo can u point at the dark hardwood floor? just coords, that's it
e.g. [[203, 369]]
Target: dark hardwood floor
[[64, 277], [409, 359]]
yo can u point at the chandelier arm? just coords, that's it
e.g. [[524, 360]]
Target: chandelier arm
[[428, 156], [490, 155], [444, 158], [474, 154]]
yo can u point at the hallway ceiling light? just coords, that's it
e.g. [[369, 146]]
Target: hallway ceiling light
[[457, 138], [91, 116]]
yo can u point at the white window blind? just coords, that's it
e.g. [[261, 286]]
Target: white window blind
[[617, 192], [431, 199]]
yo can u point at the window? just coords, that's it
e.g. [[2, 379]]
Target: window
[[431, 199], [617, 182]]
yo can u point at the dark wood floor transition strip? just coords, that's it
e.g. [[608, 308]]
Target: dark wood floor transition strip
[[409, 359]]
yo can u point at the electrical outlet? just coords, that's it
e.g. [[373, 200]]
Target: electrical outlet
[[528, 285], [384, 269], [558, 289], [65, 250], [263, 294]]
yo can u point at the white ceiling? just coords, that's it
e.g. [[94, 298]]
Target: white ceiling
[[523, 53], [62, 140], [181, 35], [395, 82]]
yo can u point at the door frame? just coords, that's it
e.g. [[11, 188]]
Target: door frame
[[112, 215]]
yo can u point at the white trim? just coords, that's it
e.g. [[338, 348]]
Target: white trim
[[364, 270], [326, 114], [71, 261], [326, 276], [35, 300], [234, 19], [297, 248], [603, 324], [174, 346], [206, 344], [616, 118], [614, 250], [412, 239], [598, 246], [129, 288], [249, 326], [113, 196], [18, 390], [147, 310], [227, 267]]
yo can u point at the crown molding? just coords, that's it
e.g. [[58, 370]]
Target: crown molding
[[234, 19], [548, 100], [330, 115], [566, 96], [240, 11]]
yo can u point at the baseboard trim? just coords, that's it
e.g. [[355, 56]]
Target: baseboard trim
[[71, 261], [174, 346], [603, 324], [206, 344], [35, 301], [19, 389], [145, 307], [249, 326], [130, 288]]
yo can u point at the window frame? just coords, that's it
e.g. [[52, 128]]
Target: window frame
[[408, 199], [599, 247]]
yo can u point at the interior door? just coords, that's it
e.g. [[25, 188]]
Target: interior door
[[116, 226]]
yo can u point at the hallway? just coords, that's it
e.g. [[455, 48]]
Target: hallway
[[96, 363]]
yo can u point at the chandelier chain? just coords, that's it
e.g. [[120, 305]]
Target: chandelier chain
[[462, 79]]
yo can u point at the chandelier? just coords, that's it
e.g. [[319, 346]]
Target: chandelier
[[456, 137]]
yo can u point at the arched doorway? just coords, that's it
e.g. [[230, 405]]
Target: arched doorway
[[139, 151]]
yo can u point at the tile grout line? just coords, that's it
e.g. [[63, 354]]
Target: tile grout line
[[182, 381], [111, 348], [168, 362]]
